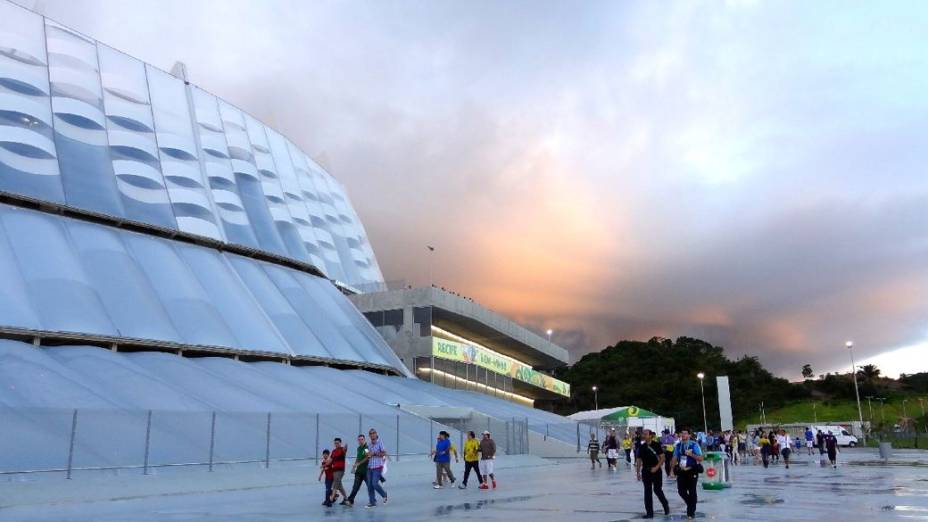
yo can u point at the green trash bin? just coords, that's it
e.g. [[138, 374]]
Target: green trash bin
[[715, 473]]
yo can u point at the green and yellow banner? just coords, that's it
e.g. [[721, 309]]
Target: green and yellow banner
[[470, 354]]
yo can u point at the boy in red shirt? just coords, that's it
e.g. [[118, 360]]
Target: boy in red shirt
[[325, 468], [338, 471]]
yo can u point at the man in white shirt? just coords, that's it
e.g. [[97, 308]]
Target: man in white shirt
[[784, 443]]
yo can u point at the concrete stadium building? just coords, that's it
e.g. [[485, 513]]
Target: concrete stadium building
[[453, 341], [174, 277]]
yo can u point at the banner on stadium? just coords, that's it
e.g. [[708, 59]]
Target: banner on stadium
[[470, 354]]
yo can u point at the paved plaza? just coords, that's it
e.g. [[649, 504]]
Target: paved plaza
[[529, 489]]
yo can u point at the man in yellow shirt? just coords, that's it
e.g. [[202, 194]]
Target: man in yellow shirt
[[627, 446], [471, 458]]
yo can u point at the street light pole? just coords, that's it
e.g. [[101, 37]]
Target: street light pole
[[549, 332], [814, 414], [860, 412], [595, 398], [870, 407], [702, 391], [882, 417]]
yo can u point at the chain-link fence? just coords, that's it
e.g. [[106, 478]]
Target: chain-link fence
[[578, 434], [64, 440]]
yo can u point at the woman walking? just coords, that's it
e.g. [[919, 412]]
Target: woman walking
[[611, 446], [764, 444]]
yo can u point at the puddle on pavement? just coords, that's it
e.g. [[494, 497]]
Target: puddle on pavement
[[753, 499], [910, 509], [481, 504]]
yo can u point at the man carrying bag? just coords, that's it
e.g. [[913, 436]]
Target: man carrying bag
[[687, 465]]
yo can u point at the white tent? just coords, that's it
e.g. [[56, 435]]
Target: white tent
[[627, 416]]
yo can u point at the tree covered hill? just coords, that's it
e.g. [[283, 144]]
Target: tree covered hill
[[660, 375]]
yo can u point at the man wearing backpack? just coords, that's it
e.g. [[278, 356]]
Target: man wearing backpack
[[687, 464]]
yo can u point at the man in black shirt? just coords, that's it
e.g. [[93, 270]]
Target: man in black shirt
[[648, 465]]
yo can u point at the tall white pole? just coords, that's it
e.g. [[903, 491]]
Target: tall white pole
[[860, 412], [702, 391]]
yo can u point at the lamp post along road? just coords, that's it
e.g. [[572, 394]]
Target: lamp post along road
[[595, 398], [860, 412], [702, 391]]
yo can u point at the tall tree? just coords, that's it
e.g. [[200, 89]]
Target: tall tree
[[868, 373], [807, 372]]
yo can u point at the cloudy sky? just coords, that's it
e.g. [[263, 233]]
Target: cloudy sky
[[751, 173]]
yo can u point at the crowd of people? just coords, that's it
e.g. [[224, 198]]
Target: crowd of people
[[370, 466], [679, 457]]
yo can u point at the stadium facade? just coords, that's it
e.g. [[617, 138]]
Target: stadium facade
[[453, 341], [174, 280]]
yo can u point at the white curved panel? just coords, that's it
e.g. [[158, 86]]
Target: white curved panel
[[35, 167], [133, 140], [130, 136], [35, 76], [23, 136]]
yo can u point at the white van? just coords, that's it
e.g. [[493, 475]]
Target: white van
[[844, 438]]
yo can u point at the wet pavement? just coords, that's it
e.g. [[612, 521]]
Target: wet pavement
[[860, 489]]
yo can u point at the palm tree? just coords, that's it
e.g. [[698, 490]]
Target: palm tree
[[868, 372]]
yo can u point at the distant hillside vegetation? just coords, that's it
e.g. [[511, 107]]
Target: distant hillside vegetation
[[660, 375]]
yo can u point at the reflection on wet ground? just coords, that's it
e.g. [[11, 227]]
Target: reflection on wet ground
[[562, 490]]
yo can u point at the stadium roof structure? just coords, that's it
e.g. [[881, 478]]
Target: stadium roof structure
[[142, 219]]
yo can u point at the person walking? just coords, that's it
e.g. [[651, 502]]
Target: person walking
[[611, 446], [831, 446], [627, 447], [783, 441], [487, 455], [471, 459], [442, 457], [810, 440], [764, 444], [648, 465], [667, 441], [687, 464], [338, 471], [593, 449], [774, 446], [376, 455], [325, 470], [359, 469]]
